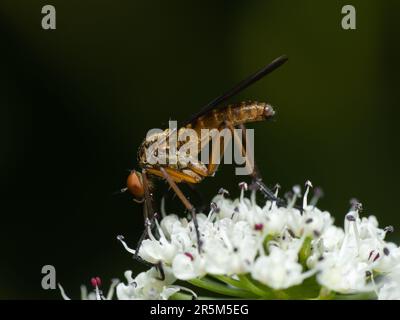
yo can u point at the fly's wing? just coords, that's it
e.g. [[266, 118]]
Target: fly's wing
[[216, 103]]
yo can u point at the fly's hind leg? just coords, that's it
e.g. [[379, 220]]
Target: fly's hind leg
[[254, 171], [257, 180], [185, 202], [217, 152]]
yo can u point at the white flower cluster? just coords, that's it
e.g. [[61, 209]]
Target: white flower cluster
[[253, 251], [276, 247]]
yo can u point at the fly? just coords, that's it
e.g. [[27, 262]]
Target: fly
[[214, 115]]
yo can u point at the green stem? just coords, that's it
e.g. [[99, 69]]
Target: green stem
[[230, 281], [356, 296], [282, 295], [325, 294], [252, 286], [181, 296], [185, 296], [221, 288]]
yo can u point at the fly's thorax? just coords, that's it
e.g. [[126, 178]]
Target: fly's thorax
[[152, 147], [164, 148]]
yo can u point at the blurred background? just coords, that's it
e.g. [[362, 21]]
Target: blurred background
[[77, 101]]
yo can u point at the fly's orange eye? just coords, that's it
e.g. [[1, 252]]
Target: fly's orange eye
[[134, 185]]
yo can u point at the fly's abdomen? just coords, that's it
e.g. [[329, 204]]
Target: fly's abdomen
[[236, 114]]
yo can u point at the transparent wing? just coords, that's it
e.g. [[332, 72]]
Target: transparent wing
[[216, 103]]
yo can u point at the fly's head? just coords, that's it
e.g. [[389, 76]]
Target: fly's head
[[134, 184]]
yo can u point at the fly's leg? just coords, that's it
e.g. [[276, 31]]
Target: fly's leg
[[148, 212], [199, 197], [149, 217], [254, 173], [160, 269], [213, 164], [185, 202], [256, 177], [148, 200]]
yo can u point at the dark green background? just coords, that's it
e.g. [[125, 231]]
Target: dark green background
[[77, 101]]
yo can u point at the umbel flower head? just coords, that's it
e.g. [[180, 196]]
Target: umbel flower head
[[253, 251], [268, 252]]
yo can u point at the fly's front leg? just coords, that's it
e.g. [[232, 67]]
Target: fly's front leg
[[185, 202], [148, 212], [149, 216]]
